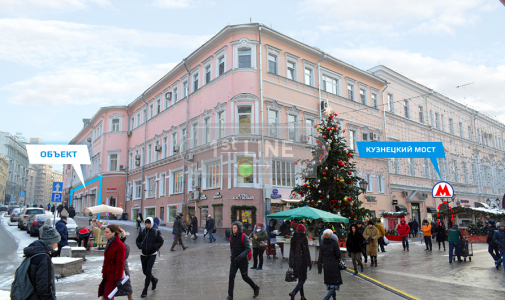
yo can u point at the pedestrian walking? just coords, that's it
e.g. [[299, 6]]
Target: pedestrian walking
[[83, 236], [156, 222], [211, 223], [434, 227], [53, 208], [492, 247], [149, 241], [404, 231], [126, 289], [299, 259], [39, 268], [329, 259], [426, 229], [258, 238], [499, 240], [239, 246], [71, 212], [113, 262], [361, 230], [49, 206], [382, 233], [415, 227], [61, 227], [284, 230], [371, 235], [455, 237], [271, 239], [194, 227], [90, 218], [354, 241], [177, 231], [139, 221], [189, 223], [59, 209], [441, 235]]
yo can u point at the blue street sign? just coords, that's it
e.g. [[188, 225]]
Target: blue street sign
[[57, 187], [56, 197], [22, 194], [13, 199]]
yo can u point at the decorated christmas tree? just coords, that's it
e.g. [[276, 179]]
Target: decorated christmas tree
[[330, 181]]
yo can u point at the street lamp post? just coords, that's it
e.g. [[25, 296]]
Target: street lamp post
[[363, 184]]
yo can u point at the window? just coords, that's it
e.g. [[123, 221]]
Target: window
[[244, 58], [292, 120], [441, 166], [174, 142], [156, 152], [151, 187], [208, 74], [138, 189], [362, 96], [177, 182], [329, 85], [149, 153], [145, 116], [221, 65], [142, 157], [350, 92], [426, 168], [184, 137], [431, 118], [218, 216], [206, 128], [195, 82], [158, 106], [369, 178], [220, 121], [175, 95], [132, 124], [375, 103], [130, 161], [184, 89], [195, 135], [309, 125], [406, 108], [115, 125], [283, 173], [411, 167], [163, 185], [395, 164], [165, 147], [113, 160], [273, 123], [245, 170], [461, 133], [365, 137], [171, 213], [290, 73], [167, 103], [437, 121], [244, 119], [391, 103], [136, 155], [465, 172], [421, 114], [352, 139], [139, 121], [455, 170], [272, 64], [308, 76], [451, 126], [380, 183], [213, 175], [443, 122]]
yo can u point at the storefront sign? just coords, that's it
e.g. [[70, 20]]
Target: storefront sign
[[275, 194], [136, 205], [218, 195], [395, 202], [465, 201], [111, 190], [243, 197]]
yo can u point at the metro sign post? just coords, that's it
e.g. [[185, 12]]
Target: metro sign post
[[443, 190]]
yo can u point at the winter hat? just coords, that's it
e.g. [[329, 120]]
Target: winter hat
[[359, 222], [300, 228], [491, 221], [327, 233], [181, 215], [50, 235], [501, 224], [402, 220], [370, 222], [210, 216]]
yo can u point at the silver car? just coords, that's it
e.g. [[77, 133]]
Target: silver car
[[15, 214], [25, 215]]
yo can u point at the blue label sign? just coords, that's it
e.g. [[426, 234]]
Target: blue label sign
[[22, 194], [57, 187], [275, 194], [56, 197]]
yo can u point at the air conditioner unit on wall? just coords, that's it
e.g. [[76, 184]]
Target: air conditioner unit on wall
[[137, 163], [176, 148], [304, 139], [157, 148], [88, 139], [168, 95], [405, 193], [129, 133], [197, 180], [374, 136], [137, 157], [425, 195], [196, 195], [324, 105], [190, 157], [122, 167]]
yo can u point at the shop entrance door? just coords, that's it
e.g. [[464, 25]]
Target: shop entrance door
[[112, 201], [416, 212]]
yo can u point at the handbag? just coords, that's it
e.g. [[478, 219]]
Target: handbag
[[214, 230], [341, 264], [290, 275], [386, 241], [262, 244]]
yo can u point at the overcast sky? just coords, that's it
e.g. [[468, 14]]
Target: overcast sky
[[60, 60]]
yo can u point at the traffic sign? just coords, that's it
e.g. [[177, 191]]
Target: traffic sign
[[56, 197], [442, 190], [57, 187], [13, 199], [22, 194]]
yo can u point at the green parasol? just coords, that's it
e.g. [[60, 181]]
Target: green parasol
[[306, 212]]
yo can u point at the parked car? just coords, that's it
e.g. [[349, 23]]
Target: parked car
[[15, 214], [37, 221], [4, 208], [12, 207], [26, 213]]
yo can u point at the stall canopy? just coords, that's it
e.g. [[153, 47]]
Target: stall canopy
[[401, 208], [432, 210], [103, 209], [306, 212]]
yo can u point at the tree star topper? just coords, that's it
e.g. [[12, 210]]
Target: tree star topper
[[328, 111]]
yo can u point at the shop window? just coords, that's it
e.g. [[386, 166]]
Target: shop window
[[162, 213], [150, 212], [172, 212], [218, 216], [244, 216], [204, 213], [245, 170]]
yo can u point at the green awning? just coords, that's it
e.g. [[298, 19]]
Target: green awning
[[306, 212]]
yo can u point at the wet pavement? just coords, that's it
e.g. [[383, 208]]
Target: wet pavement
[[201, 272]]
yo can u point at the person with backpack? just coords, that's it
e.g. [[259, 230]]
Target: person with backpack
[[299, 259], [210, 226], [177, 231], [156, 223], [149, 241], [34, 278], [492, 247], [59, 209], [113, 262], [240, 256]]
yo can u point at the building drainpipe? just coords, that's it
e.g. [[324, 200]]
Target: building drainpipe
[[386, 139], [262, 155], [431, 128], [185, 148], [319, 85], [143, 163], [127, 160]]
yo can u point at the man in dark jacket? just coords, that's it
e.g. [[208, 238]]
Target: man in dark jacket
[[53, 208], [499, 240], [178, 229], [361, 230], [492, 248], [149, 241], [194, 227], [210, 227], [61, 227], [239, 246], [59, 209], [41, 271], [455, 236], [415, 227]]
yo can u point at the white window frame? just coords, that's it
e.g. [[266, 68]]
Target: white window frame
[[350, 83], [220, 132], [217, 182], [353, 138], [184, 139], [235, 169], [137, 189], [139, 120], [422, 118], [118, 125], [443, 122], [151, 186], [196, 74], [455, 170], [451, 125], [184, 88], [411, 166], [274, 52], [194, 135], [363, 87], [110, 161], [290, 58], [461, 132], [175, 93], [144, 117], [310, 133], [437, 121], [163, 184], [207, 133], [370, 179], [156, 153], [277, 176], [237, 117], [276, 125], [165, 147], [220, 54], [431, 117], [130, 160], [142, 156], [171, 219], [149, 157], [406, 108], [307, 65], [173, 177], [426, 168], [380, 183], [464, 167], [207, 64], [132, 124], [295, 126], [244, 43], [391, 102]]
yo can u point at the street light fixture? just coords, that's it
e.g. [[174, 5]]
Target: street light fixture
[[363, 184], [488, 201]]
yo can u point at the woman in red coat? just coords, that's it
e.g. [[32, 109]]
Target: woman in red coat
[[403, 230], [113, 263]]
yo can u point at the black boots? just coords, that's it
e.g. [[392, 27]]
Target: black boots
[[362, 268], [155, 282], [355, 271], [144, 293], [256, 292], [375, 260]]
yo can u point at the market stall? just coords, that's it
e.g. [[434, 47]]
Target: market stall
[[97, 232], [392, 219], [314, 219]]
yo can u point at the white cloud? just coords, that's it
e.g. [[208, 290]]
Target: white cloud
[[392, 16], [16, 6], [443, 75], [83, 86], [173, 3]]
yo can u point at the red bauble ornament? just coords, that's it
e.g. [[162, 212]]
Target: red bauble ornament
[[325, 137], [328, 128], [338, 187], [350, 198], [350, 173], [321, 196], [305, 185], [349, 154], [308, 164], [315, 126], [333, 201], [350, 182], [352, 213], [344, 131], [300, 193], [335, 115], [324, 173], [339, 162], [296, 163], [346, 203]]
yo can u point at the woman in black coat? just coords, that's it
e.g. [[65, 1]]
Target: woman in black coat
[[194, 227], [329, 256], [299, 259], [125, 289], [354, 242], [441, 235]]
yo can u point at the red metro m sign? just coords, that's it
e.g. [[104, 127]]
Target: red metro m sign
[[442, 190]]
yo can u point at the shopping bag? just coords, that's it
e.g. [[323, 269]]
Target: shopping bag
[[386, 241]]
